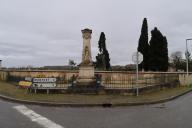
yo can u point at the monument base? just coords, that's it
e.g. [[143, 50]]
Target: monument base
[[98, 89], [86, 76], [86, 83]]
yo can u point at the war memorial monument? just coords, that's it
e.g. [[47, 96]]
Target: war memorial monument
[[86, 70]]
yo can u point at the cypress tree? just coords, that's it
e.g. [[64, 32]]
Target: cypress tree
[[102, 45], [143, 45], [102, 58], [106, 59], [165, 65], [158, 60], [99, 61]]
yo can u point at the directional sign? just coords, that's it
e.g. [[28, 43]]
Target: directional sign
[[44, 85], [44, 80]]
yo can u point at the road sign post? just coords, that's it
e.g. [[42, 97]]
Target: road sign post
[[137, 59]]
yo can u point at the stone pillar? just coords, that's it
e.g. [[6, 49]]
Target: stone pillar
[[86, 53], [86, 69]]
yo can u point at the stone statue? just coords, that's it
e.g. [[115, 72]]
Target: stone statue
[[86, 55]]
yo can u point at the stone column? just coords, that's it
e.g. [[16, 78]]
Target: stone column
[[86, 53], [86, 69]]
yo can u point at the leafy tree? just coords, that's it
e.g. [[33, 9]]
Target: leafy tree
[[71, 63], [143, 45], [102, 58], [158, 60]]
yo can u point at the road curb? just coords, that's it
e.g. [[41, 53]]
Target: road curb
[[7, 98], [153, 102]]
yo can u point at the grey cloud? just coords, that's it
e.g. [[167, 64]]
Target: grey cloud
[[48, 32]]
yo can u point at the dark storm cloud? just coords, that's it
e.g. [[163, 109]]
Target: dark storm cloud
[[48, 32]]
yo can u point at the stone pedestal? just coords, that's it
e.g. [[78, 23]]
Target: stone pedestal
[[86, 76]]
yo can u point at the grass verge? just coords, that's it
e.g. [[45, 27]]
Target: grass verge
[[13, 91]]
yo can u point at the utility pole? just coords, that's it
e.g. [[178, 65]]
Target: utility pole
[[187, 57], [0, 64]]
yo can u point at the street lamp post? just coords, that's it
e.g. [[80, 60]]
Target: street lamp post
[[187, 56]]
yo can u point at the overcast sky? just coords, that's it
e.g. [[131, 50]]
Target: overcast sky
[[48, 32]]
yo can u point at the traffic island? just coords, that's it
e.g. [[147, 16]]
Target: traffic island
[[11, 92]]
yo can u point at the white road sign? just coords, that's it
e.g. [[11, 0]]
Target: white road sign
[[137, 57], [44, 85], [44, 80]]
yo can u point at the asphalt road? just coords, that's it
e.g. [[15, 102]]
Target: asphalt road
[[173, 114]]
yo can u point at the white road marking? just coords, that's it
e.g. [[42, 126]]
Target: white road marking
[[44, 122]]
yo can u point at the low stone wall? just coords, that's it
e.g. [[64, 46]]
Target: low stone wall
[[3, 75], [185, 80], [48, 73], [106, 75], [20, 75]]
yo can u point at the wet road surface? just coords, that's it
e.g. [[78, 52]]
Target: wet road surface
[[173, 114]]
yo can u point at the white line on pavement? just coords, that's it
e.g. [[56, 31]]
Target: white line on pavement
[[44, 122]]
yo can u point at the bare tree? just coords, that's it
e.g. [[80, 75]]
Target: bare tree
[[176, 56], [177, 60]]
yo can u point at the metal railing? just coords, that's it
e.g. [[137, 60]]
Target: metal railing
[[117, 80], [129, 82]]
